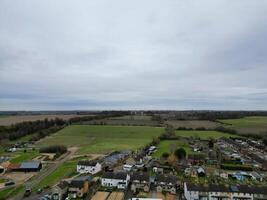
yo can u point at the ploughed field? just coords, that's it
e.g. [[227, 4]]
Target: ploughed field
[[103, 139], [9, 120]]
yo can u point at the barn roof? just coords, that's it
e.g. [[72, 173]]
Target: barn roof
[[30, 165]]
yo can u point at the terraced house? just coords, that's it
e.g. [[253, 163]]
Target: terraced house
[[221, 192], [140, 182]]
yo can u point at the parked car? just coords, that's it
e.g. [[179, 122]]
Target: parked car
[[39, 191], [9, 183], [27, 192]]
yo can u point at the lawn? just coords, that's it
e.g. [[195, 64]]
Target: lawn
[[103, 139], [247, 122], [8, 192], [21, 156], [64, 171], [204, 134], [169, 146]]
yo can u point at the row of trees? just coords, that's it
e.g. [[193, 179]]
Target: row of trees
[[19, 130]]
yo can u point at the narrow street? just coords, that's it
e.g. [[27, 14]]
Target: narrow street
[[38, 178]]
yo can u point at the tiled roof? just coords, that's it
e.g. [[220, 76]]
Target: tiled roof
[[113, 175], [91, 163]]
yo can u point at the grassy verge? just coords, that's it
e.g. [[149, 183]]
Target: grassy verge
[[24, 156], [9, 192], [64, 171]]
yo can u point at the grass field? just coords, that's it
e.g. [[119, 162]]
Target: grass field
[[203, 134], [64, 171], [103, 139], [169, 146], [21, 156], [248, 124]]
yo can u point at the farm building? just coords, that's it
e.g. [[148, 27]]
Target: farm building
[[31, 166], [86, 166]]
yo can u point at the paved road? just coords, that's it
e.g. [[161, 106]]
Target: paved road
[[38, 178]]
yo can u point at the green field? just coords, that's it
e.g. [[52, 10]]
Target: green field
[[247, 122], [103, 139], [250, 125], [203, 134], [21, 156], [64, 171], [169, 146]]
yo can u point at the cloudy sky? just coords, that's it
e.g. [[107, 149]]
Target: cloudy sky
[[141, 54]]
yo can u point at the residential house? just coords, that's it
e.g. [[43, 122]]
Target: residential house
[[127, 167], [256, 176], [166, 183], [196, 159], [118, 180], [221, 192], [140, 181], [60, 191], [79, 187], [88, 166], [264, 165]]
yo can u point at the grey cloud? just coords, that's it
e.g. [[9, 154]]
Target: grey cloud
[[133, 54]]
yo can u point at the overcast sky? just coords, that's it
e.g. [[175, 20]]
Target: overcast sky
[[141, 54]]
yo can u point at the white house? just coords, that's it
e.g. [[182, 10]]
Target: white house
[[127, 167], [119, 180], [86, 166]]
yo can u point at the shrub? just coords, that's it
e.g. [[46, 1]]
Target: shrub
[[57, 149]]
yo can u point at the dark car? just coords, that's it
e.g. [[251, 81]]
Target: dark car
[[9, 183], [27, 192]]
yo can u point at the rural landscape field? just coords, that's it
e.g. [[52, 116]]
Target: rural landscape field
[[133, 100], [94, 138]]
